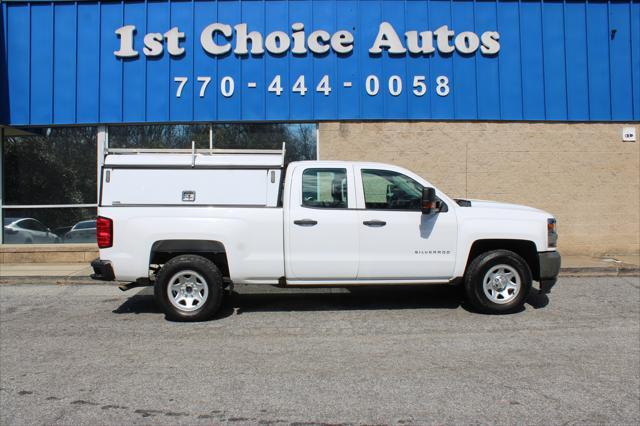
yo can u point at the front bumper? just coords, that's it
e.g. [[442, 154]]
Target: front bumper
[[550, 262], [103, 271]]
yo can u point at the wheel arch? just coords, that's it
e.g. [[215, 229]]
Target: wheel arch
[[164, 250], [524, 248]]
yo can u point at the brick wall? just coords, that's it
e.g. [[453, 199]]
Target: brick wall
[[582, 173], [47, 253]]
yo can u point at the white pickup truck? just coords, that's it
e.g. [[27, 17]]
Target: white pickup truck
[[193, 223]]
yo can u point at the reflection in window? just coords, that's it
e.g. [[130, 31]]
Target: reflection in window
[[174, 136], [300, 139], [384, 189], [50, 166], [47, 226], [325, 188]]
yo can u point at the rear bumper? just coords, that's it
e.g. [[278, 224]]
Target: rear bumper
[[550, 262], [103, 271]]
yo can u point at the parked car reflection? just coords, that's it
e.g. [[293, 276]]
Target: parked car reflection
[[26, 230], [82, 232], [62, 230]]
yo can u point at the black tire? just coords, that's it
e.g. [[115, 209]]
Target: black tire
[[211, 278], [478, 270]]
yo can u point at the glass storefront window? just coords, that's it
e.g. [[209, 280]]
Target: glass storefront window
[[300, 138], [49, 225], [175, 136], [49, 166], [53, 165]]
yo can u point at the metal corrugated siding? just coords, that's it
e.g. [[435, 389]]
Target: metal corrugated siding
[[558, 61]]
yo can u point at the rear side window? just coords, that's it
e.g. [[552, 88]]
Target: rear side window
[[325, 188], [30, 224], [25, 224]]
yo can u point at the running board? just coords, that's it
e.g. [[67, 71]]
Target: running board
[[355, 283]]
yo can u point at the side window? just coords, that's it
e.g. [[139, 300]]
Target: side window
[[26, 224], [325, 188], [33, 225], [387, 190], [38, 226]]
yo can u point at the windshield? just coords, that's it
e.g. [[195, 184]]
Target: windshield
[[8, 220]]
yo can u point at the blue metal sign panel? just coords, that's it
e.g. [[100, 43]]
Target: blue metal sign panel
[[64, 62]]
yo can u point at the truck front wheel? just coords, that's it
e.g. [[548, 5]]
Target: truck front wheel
[[498, 282], [189, 288]]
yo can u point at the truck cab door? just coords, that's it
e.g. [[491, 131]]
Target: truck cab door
[[397, 241], [321, 231]]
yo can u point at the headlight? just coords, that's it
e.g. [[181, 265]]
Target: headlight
[[552, 234]]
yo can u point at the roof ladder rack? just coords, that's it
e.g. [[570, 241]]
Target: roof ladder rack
[[193, 151]]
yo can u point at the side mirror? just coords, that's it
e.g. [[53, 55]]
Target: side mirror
[[430, 202]]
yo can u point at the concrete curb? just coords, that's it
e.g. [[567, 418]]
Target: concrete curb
[[621, 271], [48, 280]]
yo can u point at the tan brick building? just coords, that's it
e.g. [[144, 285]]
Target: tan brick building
[[581, 172]]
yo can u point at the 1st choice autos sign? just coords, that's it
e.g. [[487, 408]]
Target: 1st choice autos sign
[[318, 60], [219, 40]]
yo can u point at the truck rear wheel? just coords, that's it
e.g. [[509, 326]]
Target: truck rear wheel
[[189, 288], [498, 282]]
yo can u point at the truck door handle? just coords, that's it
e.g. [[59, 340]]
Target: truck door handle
[[305, 222], [375, 223]]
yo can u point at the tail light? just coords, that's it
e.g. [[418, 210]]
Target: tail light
[[104, 232]]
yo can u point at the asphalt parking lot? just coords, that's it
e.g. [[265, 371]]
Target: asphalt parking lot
[[90, 354]]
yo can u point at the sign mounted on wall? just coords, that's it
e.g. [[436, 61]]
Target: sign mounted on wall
[[318, 42], [220, 39], [310, 60]]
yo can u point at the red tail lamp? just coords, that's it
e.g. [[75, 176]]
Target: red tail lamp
[[104, 232]]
